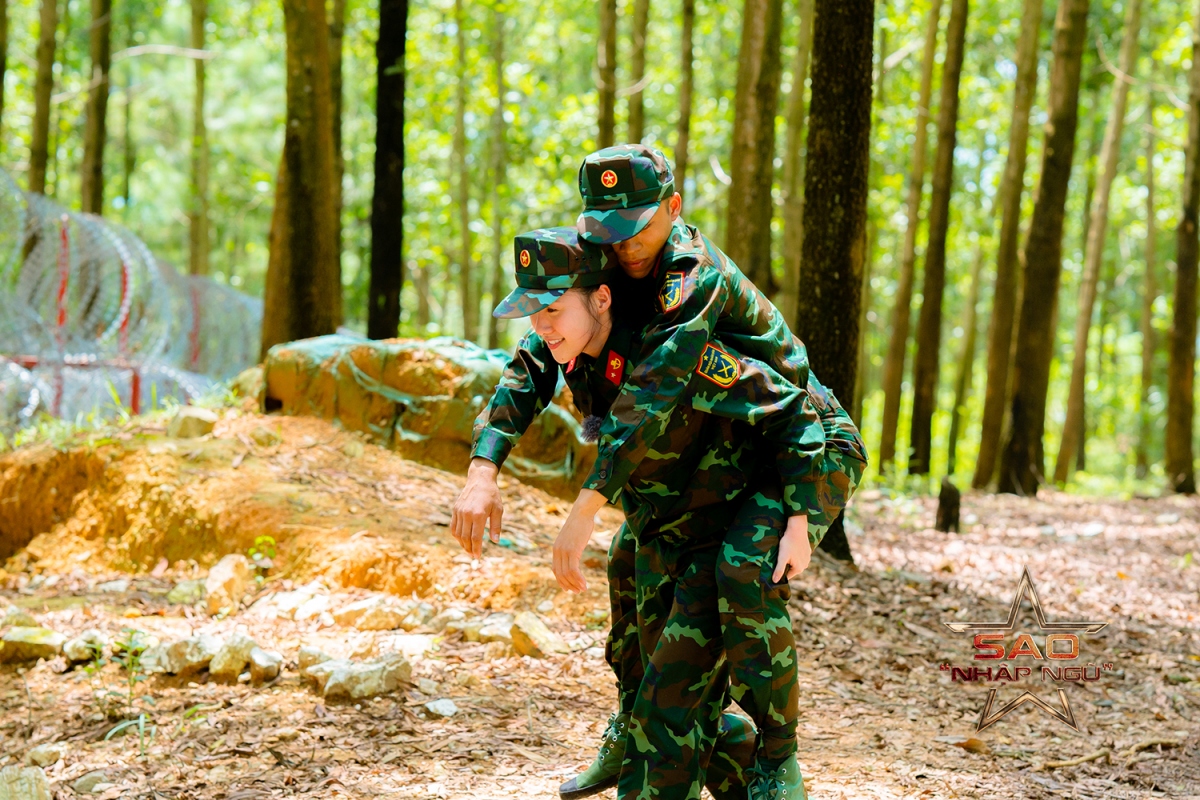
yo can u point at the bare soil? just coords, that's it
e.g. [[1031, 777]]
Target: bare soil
[[881, 718]]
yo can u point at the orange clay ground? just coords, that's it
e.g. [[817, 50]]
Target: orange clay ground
[[879, 718]]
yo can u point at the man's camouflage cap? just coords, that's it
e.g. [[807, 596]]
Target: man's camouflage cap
[[622, 187], [549, 261]]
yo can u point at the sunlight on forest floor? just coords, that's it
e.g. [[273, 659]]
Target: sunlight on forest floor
[[880, 718]]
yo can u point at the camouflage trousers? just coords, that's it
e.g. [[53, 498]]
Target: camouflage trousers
[[666, 651]]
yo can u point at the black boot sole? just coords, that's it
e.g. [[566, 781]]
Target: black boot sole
[[569, 791]]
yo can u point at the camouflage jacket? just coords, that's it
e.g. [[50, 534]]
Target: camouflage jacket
[[736, 415], [698, 293]]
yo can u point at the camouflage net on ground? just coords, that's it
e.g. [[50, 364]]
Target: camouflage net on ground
[[420, 398], [91, 320]]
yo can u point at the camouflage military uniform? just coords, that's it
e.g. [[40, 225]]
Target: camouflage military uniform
[[699, 524]]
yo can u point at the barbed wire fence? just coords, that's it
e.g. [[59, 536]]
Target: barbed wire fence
[[91, 321]]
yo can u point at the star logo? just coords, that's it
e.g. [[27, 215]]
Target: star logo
[[1026, 588], [608, 178], [525, 258]]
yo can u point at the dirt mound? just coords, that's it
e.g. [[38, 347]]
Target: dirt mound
[[338, 508]]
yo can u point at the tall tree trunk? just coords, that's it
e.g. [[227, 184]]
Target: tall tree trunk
[[1004, 296], [94, 132], [3, 56], [498, 169], [1110, 153], [1022, 463], [43, 88], [129, 154], [752, 163], [337, 30], [387, 203], [835, 205], [303, 293], [793, 165], [929, 328], [198, 218], [606, 73], [683, 135], [893, 364], [466, 272], [1149, 295], [637, 120], [966, 362], [1181, 362]]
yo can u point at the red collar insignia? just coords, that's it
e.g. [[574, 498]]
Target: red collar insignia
[[615, 367]]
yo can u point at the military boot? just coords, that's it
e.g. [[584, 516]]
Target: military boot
[[783, 783], [606, 769]]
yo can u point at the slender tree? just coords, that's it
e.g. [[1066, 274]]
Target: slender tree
[[498, 157], [1110, 152], [1022, 462], [793, 165], [929, 327], [1181, 361], [198, 217], [637, 63], [1004, 295], [42, 89], [3, 55], [337, 31], [966, 361], [95, 128], [748, 217], [893, 364], [835, 206], [606, 72], [387, 202], [466, 276], [686, 83], [303, 293], [1149, 295]]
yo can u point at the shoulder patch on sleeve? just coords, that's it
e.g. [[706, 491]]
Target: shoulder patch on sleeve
[[671, 296], [719, 367]]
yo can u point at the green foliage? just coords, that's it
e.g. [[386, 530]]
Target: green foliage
[[550, 111]]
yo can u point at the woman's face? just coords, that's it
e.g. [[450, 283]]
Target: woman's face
[[575, 323]]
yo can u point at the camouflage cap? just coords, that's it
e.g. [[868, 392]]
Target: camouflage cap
[[622, 187], [549, 261]]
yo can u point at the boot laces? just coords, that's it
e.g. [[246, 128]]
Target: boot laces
[[766, 784]]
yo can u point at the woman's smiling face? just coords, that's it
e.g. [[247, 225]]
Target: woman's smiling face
[[575, 323]]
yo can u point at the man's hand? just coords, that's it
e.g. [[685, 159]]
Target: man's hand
[[573, 538], [794, 549], [479, 504]]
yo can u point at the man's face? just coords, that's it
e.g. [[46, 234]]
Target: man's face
[[638, 254]]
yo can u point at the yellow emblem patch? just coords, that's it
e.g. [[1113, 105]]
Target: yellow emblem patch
[[671, 296], [718, 366]]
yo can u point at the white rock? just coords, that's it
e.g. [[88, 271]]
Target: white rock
[[427, 686], [497, 628], [30, 644], [1093, 529], [1166, 519], [441, 708], [119, 586], [310, 657], [190, 422], [314, 606], [86, 784], [86, 646], [45, 755], [24, 783], [412, 645], [545, 607], [594, 652], [190, 655], [357, 681], [264, 665], [446, 617], [227, 582], [231, 660], [531, 637], [420, 614], [378, 613], [14, 616], [321, 672]]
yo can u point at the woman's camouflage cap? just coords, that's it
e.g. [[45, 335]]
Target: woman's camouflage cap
[[622, 187], [549, 261]]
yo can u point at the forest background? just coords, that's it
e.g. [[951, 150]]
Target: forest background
[[500, 101]]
